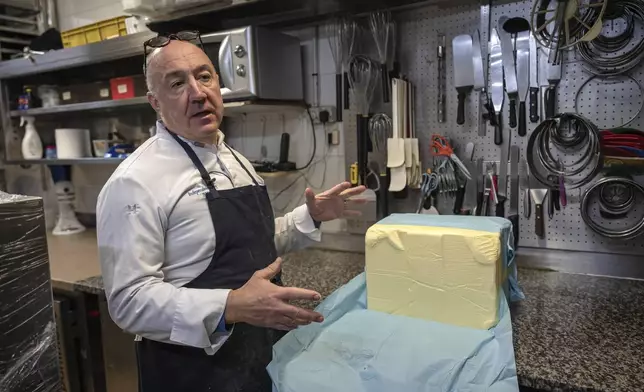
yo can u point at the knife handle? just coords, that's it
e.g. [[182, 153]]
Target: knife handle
[[346, 91], [460, 116], [479, 203], [338, 97], [551, 204], [458, 203], [534, 108], [527, 204], [498, 131], [539, 228], [441, 107], [513, 113], [514, 219], [523, 125], [500, 207], [550, 101]]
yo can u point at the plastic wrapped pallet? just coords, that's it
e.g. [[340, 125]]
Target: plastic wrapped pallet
[[28, 352], [449, 269]]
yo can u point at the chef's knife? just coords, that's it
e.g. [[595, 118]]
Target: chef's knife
[[463, 71], [523, 75], [479, 81], [513, 214], [507, 50], [524, 176], [502, 188], [554, 76], [471, 187], [534, 82], [496, 84]]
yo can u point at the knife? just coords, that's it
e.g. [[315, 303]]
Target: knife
[[471, 187], [524, 176], [463, 72], [507, 50], [513, 214], [479, 81], [502, 186], [534, 82], [553, 74], [496, 84], [523, 72], [543, 78]]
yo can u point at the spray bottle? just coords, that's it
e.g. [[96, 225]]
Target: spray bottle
[[31, 143]]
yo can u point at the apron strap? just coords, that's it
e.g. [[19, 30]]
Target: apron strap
[[205, 176], [242, 165]]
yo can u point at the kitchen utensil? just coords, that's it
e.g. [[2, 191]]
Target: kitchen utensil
[[524, 178], [441, 147], [523, 76], [471, 188], [553, 74], [507, 50], [380, 130], [363, 76], [496, 86], [513, 214], [463, 72], [516, 25], [538, 197], [348, 36], [380, 22], [534, 81], [428, 184], [543, 80], [479, 81], [396, 144], [440, 54], [334, 32], [502, 185]]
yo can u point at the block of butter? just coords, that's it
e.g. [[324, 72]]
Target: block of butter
[[449, 269]]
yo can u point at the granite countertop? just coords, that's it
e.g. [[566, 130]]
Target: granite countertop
[[571, 333]]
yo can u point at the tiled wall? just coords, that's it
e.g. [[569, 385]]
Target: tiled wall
[[245, 134]]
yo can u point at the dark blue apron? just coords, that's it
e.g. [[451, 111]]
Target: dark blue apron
[[244, 225]]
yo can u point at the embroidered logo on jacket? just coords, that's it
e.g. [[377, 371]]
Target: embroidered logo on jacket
[[199, 189]]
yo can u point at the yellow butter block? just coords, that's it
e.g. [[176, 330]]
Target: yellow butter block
[[443, 274]]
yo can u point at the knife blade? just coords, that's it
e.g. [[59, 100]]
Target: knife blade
[[502, 185], [479, 81], [463, 71], [513, 214], [554, 76], [507, 50], [471, 188], [524, 177], [523, 76], [496, 84], [534, 81]]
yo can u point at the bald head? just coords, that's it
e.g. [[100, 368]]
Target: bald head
[[183, 88]]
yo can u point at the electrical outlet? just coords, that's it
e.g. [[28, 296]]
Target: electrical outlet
[[315, 113]]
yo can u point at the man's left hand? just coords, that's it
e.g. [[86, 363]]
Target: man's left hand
[[334, 203]]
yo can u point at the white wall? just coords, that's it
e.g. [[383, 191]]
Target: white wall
[[245, 134], [77, 13]]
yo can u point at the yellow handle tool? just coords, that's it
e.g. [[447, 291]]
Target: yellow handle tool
[[353, 174]]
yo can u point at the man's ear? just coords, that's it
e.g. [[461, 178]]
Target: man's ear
[[154, 102]]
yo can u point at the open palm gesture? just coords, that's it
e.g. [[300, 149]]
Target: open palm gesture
[[334, 203]]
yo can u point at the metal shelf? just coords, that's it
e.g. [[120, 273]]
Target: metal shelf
[[85, 106], [60, 162], [31, 32]]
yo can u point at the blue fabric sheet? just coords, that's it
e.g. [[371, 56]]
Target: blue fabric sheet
[[356, 350]]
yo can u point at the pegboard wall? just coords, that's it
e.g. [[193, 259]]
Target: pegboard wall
[[608, 103]]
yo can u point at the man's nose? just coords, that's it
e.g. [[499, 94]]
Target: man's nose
[[197, 94]]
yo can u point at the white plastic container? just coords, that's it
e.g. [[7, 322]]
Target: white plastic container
[[31, 143], [73, 143]]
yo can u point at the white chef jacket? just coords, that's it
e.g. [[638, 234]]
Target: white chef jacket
[[155, 235]]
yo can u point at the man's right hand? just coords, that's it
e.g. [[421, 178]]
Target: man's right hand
[[261, 303]]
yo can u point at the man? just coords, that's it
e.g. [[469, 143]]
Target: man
[[205, 304]]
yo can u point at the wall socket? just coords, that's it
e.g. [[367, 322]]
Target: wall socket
[[315, 113]]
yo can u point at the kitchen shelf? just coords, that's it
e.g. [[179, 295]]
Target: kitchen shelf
[[231, 108], [59, 162], [85, 106]]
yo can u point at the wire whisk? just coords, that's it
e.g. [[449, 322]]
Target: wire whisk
[[363, 77]]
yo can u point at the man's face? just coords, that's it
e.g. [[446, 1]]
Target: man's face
[[185, 91]]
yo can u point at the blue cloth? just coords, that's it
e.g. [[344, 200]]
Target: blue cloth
[[356, 350]]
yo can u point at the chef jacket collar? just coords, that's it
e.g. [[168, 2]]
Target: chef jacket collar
[[162, 130]]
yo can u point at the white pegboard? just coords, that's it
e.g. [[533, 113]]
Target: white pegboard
[[610, 103]]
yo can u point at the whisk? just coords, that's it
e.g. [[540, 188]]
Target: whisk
[[347, 31], [380, 24], [334, 32], [380, 129]]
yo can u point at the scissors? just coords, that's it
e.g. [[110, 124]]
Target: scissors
[[428, 184], [440, 146]]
